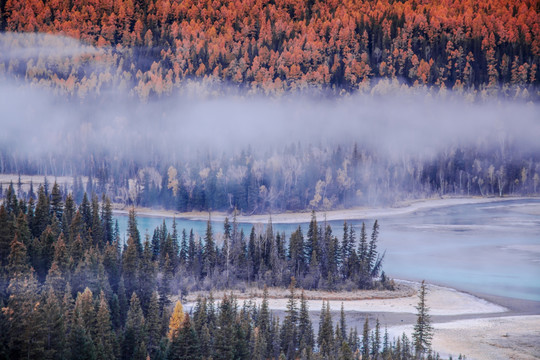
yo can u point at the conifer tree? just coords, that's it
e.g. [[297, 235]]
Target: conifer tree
[[133, 345], [312, 243], [104, 335], [264, 326], [130, 266], [365, 340], [86, 212], [23, 310], [176, 321], [153, 322], [372, 249], [57, 205], [133, 231], [7, 232], [146, 277], [305, 328], [325, 338], [376, 340], [164, 285], [41, 213], [343, 323], [107, 220], [185, 344], [225, 332], [423, 331], [289, 329], [209, 254]]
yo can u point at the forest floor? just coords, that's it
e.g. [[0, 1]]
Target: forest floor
[[486, 327]]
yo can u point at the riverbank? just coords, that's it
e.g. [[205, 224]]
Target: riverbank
[[402, 208], [488, 327]]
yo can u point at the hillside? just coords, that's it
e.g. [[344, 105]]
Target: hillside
[[150, 47]]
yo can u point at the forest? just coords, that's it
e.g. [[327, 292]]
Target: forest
[[71, 290], [152, 47], [292, 178]]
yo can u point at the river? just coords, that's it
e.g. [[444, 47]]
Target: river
[[491, 248]]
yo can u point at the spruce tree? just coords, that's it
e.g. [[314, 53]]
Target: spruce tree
[[225, 332], [154, 326], [209, 254], [423, 331], [365, 340], [130, 266], [104, 336], [133, 231], [133, 345], [305, 328], [57, 205], [107, 220], [53, 325], [289, 329], [325, 338]]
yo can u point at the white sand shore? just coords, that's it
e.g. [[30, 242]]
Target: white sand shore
[[512, 337], [345, 214], [441, 300]]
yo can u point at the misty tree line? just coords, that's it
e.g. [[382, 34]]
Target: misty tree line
[[70, 290], [294, 177]]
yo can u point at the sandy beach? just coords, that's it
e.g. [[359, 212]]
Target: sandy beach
[[405, 207], [498, 328]]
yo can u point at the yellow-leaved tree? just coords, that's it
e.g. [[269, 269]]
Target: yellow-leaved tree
[[177, 319]]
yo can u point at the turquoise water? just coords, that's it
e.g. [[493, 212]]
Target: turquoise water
[[491, 248]]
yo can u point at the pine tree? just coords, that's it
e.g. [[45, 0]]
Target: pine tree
[[146, 277], [4, 329], [107, 220], [23, 310], [376, 340], [312, 244], [365, 340], [423, 331], [7, 232], [57, 205], [305, 328], [183, 249], [296, 252], [85, 312], [164, 285], [209, 253], [104, 336], [325, 338], [41, 214], [343, 323], [133, 231], [225, 331], [153, 322], [133, 345], [289, 329], [130, 266], [372, 249], [264, 325], [86, 212], [227, 247]]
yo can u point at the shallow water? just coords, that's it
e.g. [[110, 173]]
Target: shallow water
[[491, 248]]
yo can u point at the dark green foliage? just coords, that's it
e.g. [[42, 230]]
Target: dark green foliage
[[42, 320], [423, 331]]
